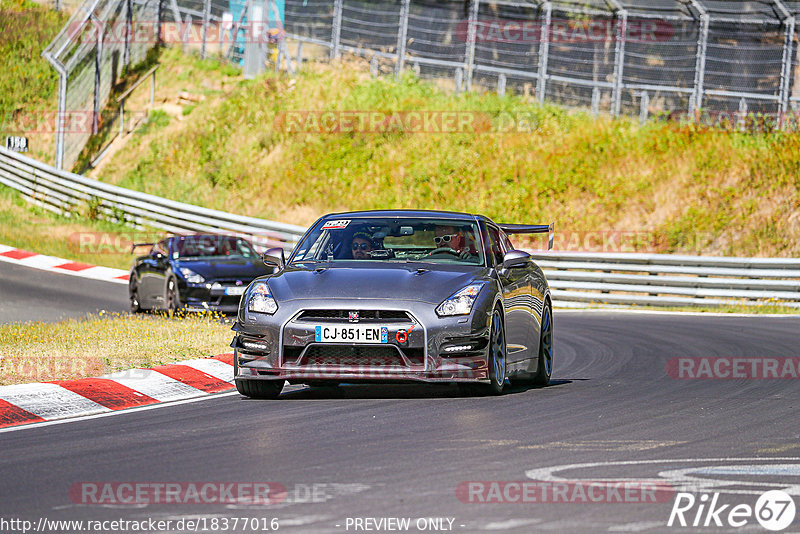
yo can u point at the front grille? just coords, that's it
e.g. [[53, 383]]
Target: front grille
[[338, 355], [363, 315], [290, 354]]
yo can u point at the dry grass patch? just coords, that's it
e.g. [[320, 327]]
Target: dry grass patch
[[104, 343]]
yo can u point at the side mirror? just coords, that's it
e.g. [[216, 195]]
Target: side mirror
[[274, 257], [515, 258]]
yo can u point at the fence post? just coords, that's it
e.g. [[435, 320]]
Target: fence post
[[742, 114], [700, 63], [544, 51], [459, 79], [595, 101], [786, 71], [126, 55], [336, 30], [206, 21], [501, 85], [402, 35], [471, 37], [98, 53], [644, 107], [619, 60], [299, 55]]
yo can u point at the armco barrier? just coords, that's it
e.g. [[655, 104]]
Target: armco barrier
[[575, 278], [65, 192], [670, 280]]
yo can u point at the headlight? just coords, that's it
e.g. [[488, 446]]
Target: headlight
[[460, 302], [261, 300], [191, 276]]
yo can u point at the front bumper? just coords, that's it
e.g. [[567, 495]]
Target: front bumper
[[420, 347]]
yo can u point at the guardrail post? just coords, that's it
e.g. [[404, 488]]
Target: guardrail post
[[402, 35], [472, 30], [595, 101], [619, 61], [373, 66], [459, 79], [501, 84], [299, 55], [544, 51], [336, 30], [206, 21]]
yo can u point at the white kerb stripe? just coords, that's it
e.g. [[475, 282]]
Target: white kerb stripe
[[49, 401], [5, 248], [42, 262], [212, 367], [155, 385], [102, 272]]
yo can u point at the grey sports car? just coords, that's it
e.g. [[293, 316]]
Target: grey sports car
[[396, 296]]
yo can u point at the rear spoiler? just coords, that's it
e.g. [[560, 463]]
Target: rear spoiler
[[531, 229], [137, 245]]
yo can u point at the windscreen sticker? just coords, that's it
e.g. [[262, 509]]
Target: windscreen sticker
[[331, 225]]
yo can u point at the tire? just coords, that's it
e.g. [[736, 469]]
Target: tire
[[496, 362], [544, 369], [172, 298], [133, 295], [259, 389]]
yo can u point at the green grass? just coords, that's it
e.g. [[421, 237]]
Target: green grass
[[28, 83], [691, 189], [77, 237]]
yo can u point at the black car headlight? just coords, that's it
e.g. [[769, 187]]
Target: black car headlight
[[191, 276], [460, 302], [260, 299]]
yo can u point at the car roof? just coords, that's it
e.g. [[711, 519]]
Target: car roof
[[400, 213]]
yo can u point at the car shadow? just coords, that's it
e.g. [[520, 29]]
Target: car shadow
[[400, 391]]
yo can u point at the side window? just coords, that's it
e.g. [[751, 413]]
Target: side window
[[495, 247], [161, 247], [506, 242]]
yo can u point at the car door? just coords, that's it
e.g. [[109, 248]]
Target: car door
[[516, 297], [152, 272], [534, 302]]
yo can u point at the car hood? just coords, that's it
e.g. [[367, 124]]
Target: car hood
[[226, 269], [427, 283]]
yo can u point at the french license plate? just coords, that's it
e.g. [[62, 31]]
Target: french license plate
[[235, 290], [351, 334]]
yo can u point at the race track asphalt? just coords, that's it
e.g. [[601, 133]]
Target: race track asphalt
[[380, 451]]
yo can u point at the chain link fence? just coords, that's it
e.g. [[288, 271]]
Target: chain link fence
[[723, 63]]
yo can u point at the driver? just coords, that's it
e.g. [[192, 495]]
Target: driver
[[454, 239], [362, 246]]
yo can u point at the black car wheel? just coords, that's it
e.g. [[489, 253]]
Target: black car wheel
[[173, 297], [259, 389], [496, 361], [133, 293], [545, 367]]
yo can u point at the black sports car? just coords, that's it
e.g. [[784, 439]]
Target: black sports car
[[397, 296], [202, 272]]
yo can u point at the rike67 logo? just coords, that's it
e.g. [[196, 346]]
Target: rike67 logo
[[774, 510]]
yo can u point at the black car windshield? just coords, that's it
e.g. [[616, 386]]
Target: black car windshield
[[205, 246], [450, 241]]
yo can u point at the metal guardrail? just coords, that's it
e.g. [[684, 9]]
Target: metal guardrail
[[670, 280], [65, 192], [575, 277]]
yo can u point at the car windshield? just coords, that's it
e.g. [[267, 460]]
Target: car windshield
[[205, 246], [450, 241]]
